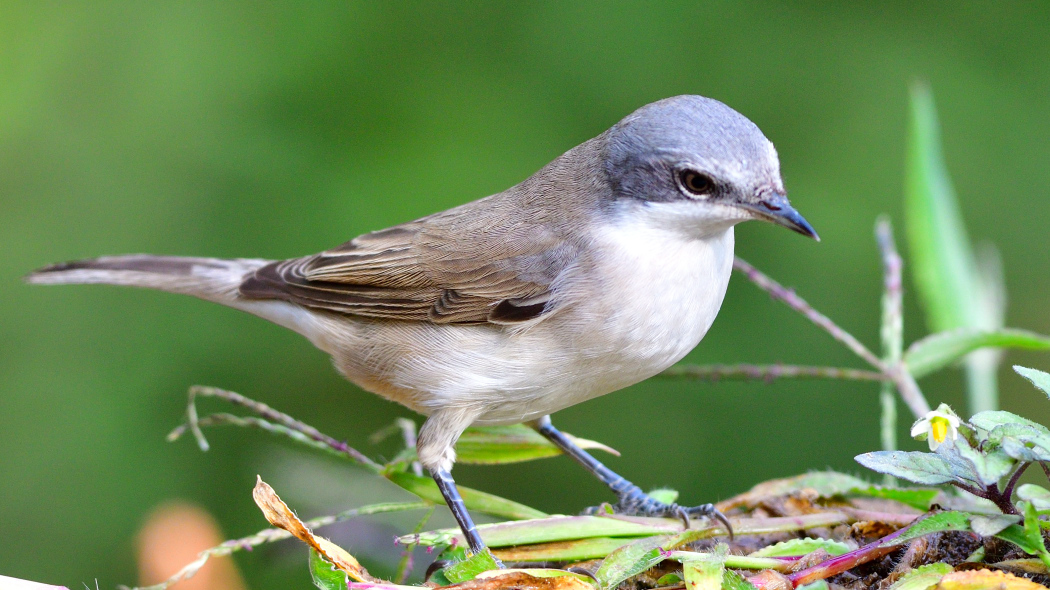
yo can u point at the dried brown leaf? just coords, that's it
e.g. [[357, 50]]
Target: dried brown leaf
[[281, 516], [520, 580]]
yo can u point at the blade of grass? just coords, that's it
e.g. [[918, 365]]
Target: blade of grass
[[952, 289], [567, 528]]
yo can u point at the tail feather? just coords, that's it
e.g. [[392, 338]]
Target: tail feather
[[213, 279]]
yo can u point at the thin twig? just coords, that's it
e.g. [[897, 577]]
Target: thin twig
[[788, 296], [770, 372], [891, 333], [893, 329], [404, 567], [271, 535], [273, 416], [225, 419]]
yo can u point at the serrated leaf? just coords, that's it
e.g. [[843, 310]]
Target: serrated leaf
[[706, 571], [916, 498], [425, 488], [636, 557], [914, 466], [798, 547], [922, 577], [496, 445], [324, 575], [989, 465], [734, 581], [989, 420], [1037, 377], [469, 568], [1037, 496], [991, 524], [939, 350], [953, 520]]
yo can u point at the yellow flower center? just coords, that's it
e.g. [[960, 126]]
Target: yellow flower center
[[939, 428]]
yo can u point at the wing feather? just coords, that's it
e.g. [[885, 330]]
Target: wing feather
[[448, 268]]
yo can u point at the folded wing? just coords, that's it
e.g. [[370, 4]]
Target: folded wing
[[454, 267]]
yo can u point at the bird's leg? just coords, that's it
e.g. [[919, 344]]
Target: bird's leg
[[450, 493], [436, 450], [632, 500]]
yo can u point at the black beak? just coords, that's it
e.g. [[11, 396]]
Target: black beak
[[775, 208]]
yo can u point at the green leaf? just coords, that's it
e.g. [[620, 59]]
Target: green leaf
[[706, 571], [468, 569], [636, 557], [1015, 534], [734, 581], [920, 498], [989, 465], [671, 579], [494, 445], [665, 495], [935, 523], [915, 466], [955, 292], [1029, 535], [798, 547], [425, 488], [942, 261], [1037, 496], [324, 575], [818, 585], [991, 524], [939, 350], [1021, 442], [989, 420], [922, 577], [1038, 378]]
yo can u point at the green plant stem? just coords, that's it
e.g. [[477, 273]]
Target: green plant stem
[[404, 566], [739, 561], [1008, 492], [770, 372]]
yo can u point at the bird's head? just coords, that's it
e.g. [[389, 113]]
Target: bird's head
[[698, 163]]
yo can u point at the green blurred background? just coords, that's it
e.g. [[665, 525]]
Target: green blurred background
[[276, 130]]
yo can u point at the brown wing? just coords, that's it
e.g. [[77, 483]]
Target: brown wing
[[449, 268]]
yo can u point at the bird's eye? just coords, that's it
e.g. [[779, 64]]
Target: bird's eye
[[696, 183]]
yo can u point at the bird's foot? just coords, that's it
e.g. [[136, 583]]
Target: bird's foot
[[642, 504]]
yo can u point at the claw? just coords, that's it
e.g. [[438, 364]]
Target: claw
[[683, 514]]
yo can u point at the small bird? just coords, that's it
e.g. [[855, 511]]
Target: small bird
[[602, 269]]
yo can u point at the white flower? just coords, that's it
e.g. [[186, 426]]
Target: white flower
[[936, 426]]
